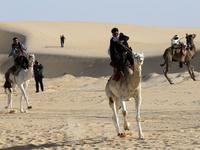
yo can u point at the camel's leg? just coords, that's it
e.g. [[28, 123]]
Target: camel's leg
[[112, 104], [168, 65], [25, 85], [21, 104], [10, 100], [191, 70], [138, 101], [25, 96], [125, 113], [21, 98]]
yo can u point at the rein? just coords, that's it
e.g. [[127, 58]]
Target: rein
[[126, 48]]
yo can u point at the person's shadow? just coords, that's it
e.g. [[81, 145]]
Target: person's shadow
[[52, 46]]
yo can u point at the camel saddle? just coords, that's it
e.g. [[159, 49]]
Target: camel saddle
[[118, 74], [183, 49]]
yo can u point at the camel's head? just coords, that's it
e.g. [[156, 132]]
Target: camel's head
[[190, 38], [138, 58], [31, 58]]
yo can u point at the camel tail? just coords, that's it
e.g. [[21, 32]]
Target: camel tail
[[163, 64], [7, 85]]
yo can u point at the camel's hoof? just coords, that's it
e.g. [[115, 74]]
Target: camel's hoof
[[6, 107], [12, 111], [120, 134], [23, 111], [127, 126], [29, 107], [141, 137]]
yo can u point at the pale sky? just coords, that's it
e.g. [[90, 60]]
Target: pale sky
[[170, 13]]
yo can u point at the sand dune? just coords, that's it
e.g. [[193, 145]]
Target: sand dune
[[73, 111], [87, 40]]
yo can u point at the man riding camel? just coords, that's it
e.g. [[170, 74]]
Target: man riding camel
[[177, 44], [175, 40], [120, 53], [20, 61]]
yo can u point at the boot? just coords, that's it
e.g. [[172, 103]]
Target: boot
[[180, 65]]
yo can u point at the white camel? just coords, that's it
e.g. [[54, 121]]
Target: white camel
[[120, 91], [21, 80]]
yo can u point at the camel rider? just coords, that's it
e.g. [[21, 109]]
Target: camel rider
[[177, 44], [118, 50], [18, 54], [175, 40]]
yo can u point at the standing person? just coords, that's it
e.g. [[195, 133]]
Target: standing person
[[38, 75], [17, 51], [62, 40]]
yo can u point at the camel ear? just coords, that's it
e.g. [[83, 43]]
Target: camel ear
[[142, 54], [194, 35]]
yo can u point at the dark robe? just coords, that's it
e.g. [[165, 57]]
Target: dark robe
[[116, 51]]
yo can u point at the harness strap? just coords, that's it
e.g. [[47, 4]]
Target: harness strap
[[15, 78]]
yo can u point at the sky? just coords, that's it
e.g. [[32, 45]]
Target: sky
[[164, 13]]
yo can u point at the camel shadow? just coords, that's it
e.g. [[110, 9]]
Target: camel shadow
[[31, 146], [52, 46], [66, 144]]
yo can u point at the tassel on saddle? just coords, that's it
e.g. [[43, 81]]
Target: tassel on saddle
[[7, 84]]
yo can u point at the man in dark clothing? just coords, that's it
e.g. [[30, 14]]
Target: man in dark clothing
[[119, 50], [62, 40], [38, 75]]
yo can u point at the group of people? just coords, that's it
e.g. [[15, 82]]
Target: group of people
[[21, 62], [119, 52]]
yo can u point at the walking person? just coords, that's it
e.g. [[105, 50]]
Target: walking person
[[38, 75], [62, 40]]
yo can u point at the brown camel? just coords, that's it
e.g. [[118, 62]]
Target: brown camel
[[120, 91], [171, 54]]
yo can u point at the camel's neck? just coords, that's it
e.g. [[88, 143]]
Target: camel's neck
[[29, 72], [192, 47], [136, 77]]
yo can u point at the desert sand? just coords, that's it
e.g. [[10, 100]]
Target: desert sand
[[73, 111]]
